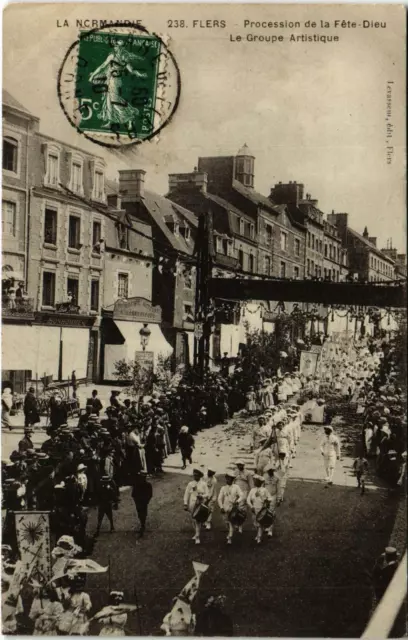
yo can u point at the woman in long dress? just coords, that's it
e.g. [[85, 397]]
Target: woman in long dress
[[118, 64], [112, 618]]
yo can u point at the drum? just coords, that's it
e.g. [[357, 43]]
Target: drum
[[237, 515], [200, 512], [265, 517]]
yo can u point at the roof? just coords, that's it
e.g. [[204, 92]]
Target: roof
[[225, 204], [255, 197], [10, 101], [244, 151], [370, 246], [159, 207]]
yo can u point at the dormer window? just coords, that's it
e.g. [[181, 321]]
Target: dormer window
[[52, 177], [97, 171], [187, 234], [123, 236], [176, 228], [76, 183]]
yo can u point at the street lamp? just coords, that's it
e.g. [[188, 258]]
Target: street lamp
[[144, 336]]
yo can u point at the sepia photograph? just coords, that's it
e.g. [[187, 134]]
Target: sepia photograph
[[204, 323]]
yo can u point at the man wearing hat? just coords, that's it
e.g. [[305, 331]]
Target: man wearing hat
[[330, 450], [30, 407], [230, 496], [82, 480], [26, 443], [212, 483], [106, 497], [196, 492], [258, 498], [384, 570], [142, 493]]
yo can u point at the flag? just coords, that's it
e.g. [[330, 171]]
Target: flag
[[190, 590], [181, 620], [82, 565], [33, 539]]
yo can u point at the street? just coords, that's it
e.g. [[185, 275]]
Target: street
[[310, 579]]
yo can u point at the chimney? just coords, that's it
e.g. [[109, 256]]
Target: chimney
[[365, 233], [338, 219], [195, 181], [114, 201], [372, 240], [290, 193], [131, 184]]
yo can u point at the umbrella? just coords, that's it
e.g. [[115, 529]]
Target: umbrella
[[75, 566], [113, 610]]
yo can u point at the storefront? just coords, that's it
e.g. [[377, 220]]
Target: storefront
[[50, 345], [131, 328]]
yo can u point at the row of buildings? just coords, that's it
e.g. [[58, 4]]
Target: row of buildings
[[95, 271]]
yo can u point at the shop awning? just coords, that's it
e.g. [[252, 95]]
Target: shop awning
[[131, 335]]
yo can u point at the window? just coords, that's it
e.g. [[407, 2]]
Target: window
[[74, 232], [8, 217], [188, 313], [48, 290], [267, 266], [187, 234], [268, 234], [241, 258], [94, 295], [283, 241], [225, 246], [52, 169], [308, 266], [297, 247], [188, 278], [123, 285], [96, 232], [242, 226], [50, 226], [308, 239], [218, 244], [251, 262], [313, 241], [296, 273], [252, 231], [76, 181], [123, 236], [325, 250], [282, 272], [99, 187], [10, 154], [176, 229], [73, 289]]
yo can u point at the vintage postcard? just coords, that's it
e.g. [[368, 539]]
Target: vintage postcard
[[204, 327]]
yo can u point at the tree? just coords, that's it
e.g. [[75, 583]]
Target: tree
[[139, 378]]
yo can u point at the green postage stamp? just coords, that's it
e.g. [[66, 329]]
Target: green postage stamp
[[119, 86]]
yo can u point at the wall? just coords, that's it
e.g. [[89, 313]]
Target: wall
[[138, 269]]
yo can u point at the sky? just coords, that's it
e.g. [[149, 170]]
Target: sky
[[310, 112]]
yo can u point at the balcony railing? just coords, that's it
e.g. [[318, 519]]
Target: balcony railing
[[226, 261], [17, 306]]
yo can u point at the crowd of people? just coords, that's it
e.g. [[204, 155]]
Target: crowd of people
[[127, 442], [274, 441]]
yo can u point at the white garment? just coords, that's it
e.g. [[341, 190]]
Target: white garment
[[194, 490], [257, 498], [330, 446], [230, 494]]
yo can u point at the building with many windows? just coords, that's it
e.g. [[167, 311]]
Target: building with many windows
[[365, 259]]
